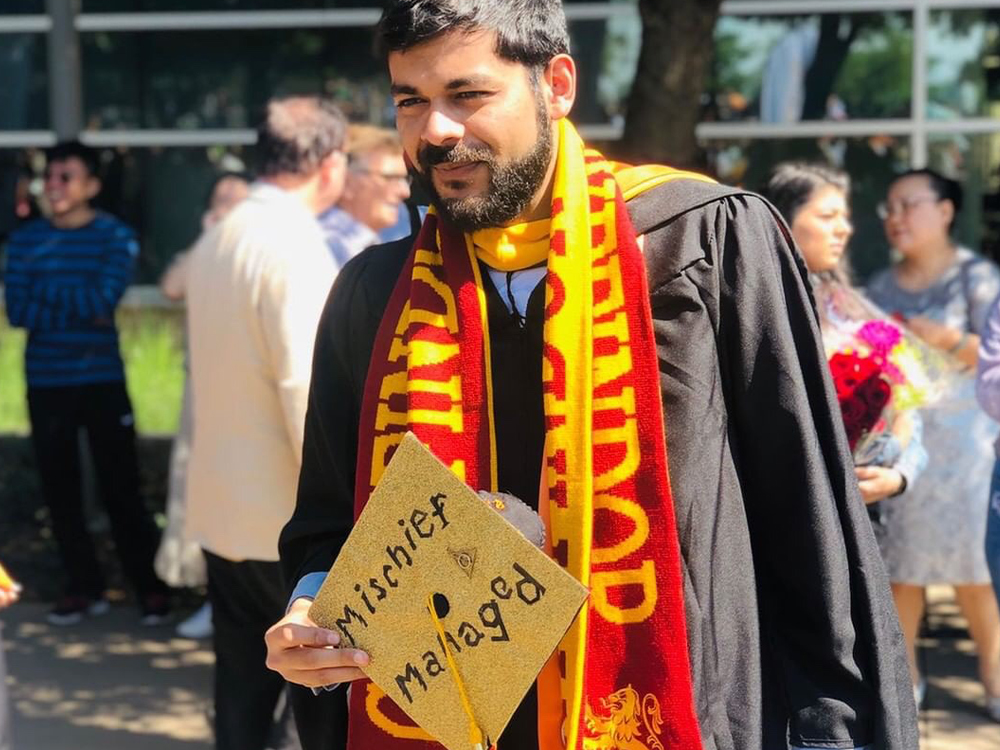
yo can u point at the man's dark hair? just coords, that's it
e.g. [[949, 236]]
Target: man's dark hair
[[74, 150], [792, 184], [529, 32], [297, 134], [943, 187]]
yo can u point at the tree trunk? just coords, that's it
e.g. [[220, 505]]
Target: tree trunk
[[831, 53], [665, 103]]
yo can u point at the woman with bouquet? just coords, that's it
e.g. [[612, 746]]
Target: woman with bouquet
[[935, 535], [813, 200]]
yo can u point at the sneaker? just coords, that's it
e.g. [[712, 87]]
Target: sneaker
[[72, 608], [198, 625], [992, 705], [920, 692], [155, 609]]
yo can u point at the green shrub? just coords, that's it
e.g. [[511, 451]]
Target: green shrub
[[152, 347]]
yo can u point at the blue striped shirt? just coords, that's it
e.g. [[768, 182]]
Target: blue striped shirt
[[63, 286]]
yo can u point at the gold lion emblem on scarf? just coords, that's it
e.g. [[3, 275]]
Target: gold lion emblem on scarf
[[623, 722]]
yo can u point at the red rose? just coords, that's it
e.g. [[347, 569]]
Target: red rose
[[866, 368], [876, 393], [840, 363], [856, 417]]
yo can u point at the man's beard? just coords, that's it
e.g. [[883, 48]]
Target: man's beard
[[511, 187]]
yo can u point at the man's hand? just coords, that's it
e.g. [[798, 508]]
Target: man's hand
[[306, 654], [878, 483]]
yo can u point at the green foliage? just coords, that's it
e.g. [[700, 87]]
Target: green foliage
[[875, 80], [152, 347], [151, 344], [13, 407]]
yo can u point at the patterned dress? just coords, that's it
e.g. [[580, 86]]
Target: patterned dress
[[935, 533]]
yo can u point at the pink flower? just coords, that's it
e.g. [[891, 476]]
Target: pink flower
[[880, 335]]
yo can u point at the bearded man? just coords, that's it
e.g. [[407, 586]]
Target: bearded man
[[553, 313]]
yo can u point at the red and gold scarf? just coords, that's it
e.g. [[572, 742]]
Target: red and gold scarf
[[621, 675]]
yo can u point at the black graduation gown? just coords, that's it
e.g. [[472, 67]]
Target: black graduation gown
[[792, 630]]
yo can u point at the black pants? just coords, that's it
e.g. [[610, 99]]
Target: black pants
[[321, 719], [104, 411], [251, 706]]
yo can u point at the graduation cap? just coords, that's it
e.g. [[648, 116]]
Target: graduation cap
[[456, 608]]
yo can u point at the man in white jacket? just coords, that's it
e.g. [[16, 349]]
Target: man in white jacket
[[257, 285]]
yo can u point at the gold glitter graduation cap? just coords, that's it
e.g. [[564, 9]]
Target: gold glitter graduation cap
[[457, 609]]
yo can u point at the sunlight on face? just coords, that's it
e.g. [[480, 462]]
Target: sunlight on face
[[916, 218], [376, 188], [475, 125], [822, 228]]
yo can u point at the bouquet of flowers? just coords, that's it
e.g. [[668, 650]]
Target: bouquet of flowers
[[879, 368]]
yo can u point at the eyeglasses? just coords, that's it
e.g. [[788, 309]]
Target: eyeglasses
[[885, 209], [388, 177]]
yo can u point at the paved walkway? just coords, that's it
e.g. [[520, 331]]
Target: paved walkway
[[107, 683], [953, 717], [110, 683]]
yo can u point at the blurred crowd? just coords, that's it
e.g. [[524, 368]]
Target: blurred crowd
[[255, 283]]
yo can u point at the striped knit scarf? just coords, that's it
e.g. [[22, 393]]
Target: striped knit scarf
[[620, 677]]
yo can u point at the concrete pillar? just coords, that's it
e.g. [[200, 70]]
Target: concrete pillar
[[65, 80]]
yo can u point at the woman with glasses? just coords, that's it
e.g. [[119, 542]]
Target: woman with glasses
[[944, 292]]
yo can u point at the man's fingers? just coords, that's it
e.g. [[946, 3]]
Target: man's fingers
[[309, 658], [291, 635], [325, 658]]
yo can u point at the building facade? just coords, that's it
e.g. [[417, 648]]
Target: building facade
[[170, 90]]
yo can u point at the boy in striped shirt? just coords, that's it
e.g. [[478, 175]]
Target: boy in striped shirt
[[64, 278]]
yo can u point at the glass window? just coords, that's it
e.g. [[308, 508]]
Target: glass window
[[221, 79], [871, 162], [121, 6], [834, 66], [193, 80], [609, 68], [596, 47], [24, 87], [166, 6], [973, 160], [18, 7], [964, 64]]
